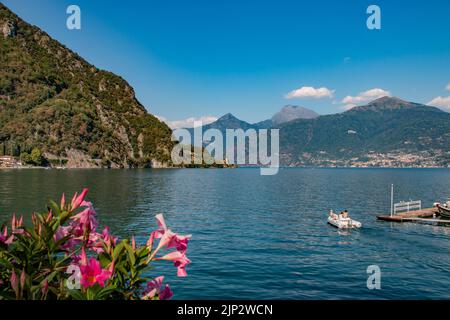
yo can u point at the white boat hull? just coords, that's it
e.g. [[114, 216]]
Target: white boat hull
[[344, 223]]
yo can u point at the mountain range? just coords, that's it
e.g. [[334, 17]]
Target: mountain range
[[386, 132], [286, 114], [290, 113], [54, 100]]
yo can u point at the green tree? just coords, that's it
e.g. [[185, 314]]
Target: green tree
[[26, 158], [36, 157]]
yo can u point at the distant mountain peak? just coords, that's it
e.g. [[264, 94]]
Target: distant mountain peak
[[291, 112], [289, 106], [228, 121], [388, 100], [387, 103], [228, 116]]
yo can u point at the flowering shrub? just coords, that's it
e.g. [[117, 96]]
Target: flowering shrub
[[63, 256]]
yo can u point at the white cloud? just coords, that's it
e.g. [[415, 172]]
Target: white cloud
[[310, 92], [448, 87], [366, 96], [443, 102], [189, 122]]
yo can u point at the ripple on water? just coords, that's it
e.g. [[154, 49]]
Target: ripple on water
[[257, 237]]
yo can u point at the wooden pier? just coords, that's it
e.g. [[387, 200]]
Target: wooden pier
[[417, 215]]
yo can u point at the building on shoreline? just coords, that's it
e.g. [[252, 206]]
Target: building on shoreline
[[9, 162]]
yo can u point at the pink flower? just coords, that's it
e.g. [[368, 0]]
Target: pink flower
[[133, 243], [168, 238], [77, 200], [76, 258], [16, 224], [97, 241], [49, 217], [173, 240], [14, 281], [83, 257], [179, 242], [161, 226], [157, 234], [111, 267], [108, 238], [165, 239], [85, 221], [63, 201], [62, 232], [71, 242], [166, 293], [3, 236], [150, 240], [13, 222], [23, 277], [45, 286], [179, 260], [4, 239], [156, 287], [92, 272]]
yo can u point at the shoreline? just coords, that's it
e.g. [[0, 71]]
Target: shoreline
[[171, 168]]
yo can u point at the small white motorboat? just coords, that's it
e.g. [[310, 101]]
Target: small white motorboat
[[341, 222]]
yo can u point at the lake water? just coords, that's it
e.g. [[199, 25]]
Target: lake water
[[266, 237]]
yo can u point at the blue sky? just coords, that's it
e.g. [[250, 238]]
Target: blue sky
[[210, 57]]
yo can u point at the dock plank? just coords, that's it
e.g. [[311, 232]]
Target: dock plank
[[427, 220], [406, 216]]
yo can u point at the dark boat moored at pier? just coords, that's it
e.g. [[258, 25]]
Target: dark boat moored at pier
[[444, 211]]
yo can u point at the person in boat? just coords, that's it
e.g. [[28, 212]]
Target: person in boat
[[333, 215], [345, 214]]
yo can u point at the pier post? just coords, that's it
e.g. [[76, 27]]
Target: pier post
[[392, 199]]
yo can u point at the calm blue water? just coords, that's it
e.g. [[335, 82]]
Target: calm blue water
[[266, 237]]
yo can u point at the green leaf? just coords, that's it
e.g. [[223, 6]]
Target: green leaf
[[131, 254], [77, 295], [118, 250], [105, 259], [122, 269], [90, 295], [52, 276], [105, 292], [6, 263], [143, 252], [55, 208]]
